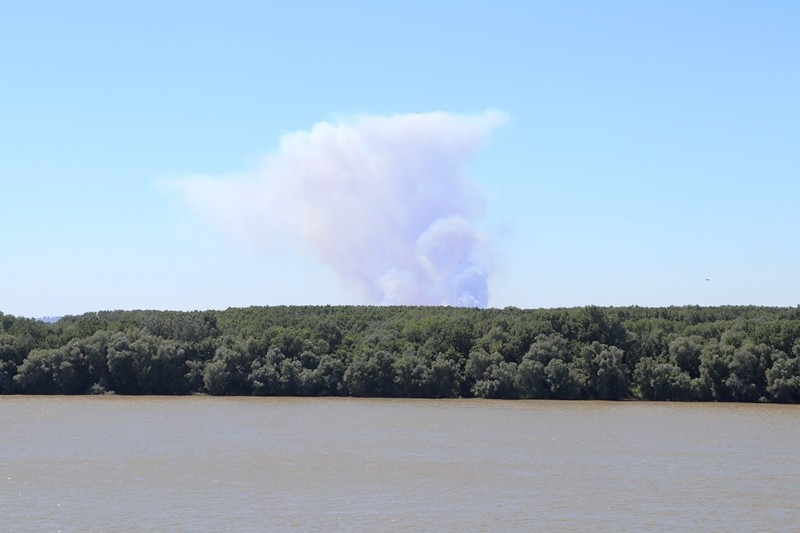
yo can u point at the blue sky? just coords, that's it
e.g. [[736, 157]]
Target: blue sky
[[645, 147]]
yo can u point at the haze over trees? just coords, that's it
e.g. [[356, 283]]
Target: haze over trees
[[744, 354]]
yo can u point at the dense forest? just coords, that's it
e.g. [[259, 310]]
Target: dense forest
[[745, 354]]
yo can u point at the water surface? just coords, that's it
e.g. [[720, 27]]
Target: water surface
[[200, 463]]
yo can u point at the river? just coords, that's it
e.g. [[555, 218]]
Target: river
[[115, 463]]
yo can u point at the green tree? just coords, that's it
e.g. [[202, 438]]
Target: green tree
[[564, 381], [662, 381], [499, 381], [275, 374], [531, 378], [35, 374], [216, 377], [12, 348], [412, 375], [161, 366], [747, 381], [479, 362], [146, 365], [121, 365], [685, 352], [329, 375], [548, 347], [445, 377], [230, 369], [54, 371], [783, 380], [370, 374], [715, 360], [607, 375]]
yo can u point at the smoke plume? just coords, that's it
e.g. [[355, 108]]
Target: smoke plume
[[382, 200]]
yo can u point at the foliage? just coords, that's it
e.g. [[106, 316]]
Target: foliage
[[733, 353]]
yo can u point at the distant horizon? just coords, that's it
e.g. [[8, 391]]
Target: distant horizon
[[55, 318]]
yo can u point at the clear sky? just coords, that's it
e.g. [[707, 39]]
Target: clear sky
[[205, 155]]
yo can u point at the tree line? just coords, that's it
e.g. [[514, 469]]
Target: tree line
[[731, 353]]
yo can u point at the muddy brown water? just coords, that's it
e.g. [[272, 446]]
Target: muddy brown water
[[198, 463]]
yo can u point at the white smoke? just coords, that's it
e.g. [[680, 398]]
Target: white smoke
[[382, 200]]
